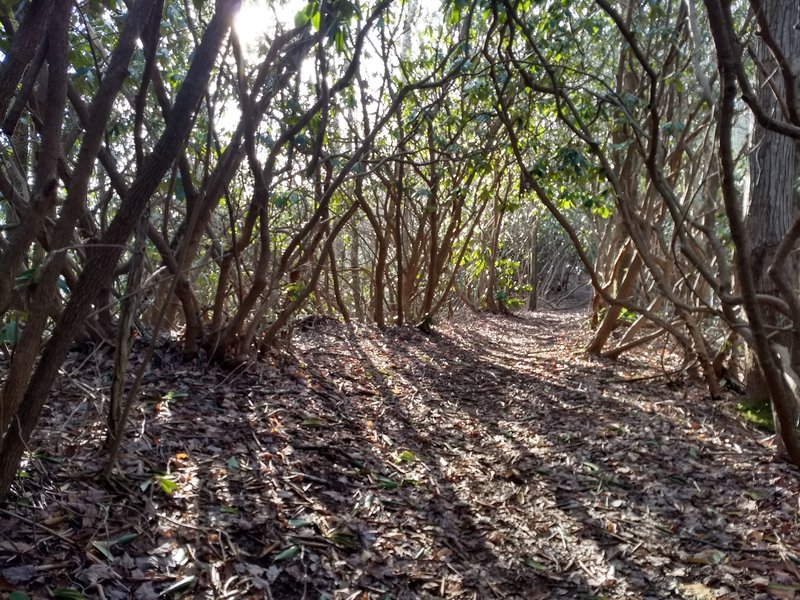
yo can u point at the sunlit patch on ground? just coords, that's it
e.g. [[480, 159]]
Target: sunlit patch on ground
[[491, 459]]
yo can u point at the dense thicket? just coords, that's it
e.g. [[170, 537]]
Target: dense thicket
[[387, 161]]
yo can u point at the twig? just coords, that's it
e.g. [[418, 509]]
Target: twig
[[646, 377], [688, 538], [180, 524], [27, 521]]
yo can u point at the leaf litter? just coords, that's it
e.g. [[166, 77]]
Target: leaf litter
[[492, 459]]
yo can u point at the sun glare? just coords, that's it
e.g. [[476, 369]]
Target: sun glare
[[258, 19]]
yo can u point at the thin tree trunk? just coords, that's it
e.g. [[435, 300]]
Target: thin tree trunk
[[612, 314], [533, 268], [101, 263], [128, 308]]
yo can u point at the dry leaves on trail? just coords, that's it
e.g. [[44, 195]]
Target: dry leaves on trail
[[489, 460]]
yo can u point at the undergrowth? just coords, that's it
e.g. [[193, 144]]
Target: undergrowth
[[758, 412]]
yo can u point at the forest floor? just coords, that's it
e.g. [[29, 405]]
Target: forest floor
[[492, 459]]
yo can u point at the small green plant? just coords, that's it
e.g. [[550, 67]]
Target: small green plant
[[758, 412], [627, 316], [406, 456], [167, 484]]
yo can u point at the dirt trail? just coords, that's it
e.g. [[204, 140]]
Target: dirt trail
[[490, 460]]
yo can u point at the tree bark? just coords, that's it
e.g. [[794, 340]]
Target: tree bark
[[23, 49], [769, 203]]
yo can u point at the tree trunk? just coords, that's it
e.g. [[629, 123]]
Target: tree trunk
[[355, 270], [773, 170], [492, 302], [612, 314], [533, 268]]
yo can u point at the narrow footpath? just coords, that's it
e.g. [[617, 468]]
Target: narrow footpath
[[491, 459]]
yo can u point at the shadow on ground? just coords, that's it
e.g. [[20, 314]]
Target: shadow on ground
[[491, 459]]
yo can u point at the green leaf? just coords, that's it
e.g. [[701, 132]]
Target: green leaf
[[180, 192], [304, 15], [299, 522], [179, 586], [312, 422], [288, 554], [387, 484], [9, 334], [339, 39], [105, 549], [18, 596], [233, 463], [168, 485], [67, 594], [342, 538], [406, 456], [755, 494], [172, 395], [229, 510], [26, 278], [782, 589], [125, 538], [455, 14], [535, 564]]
